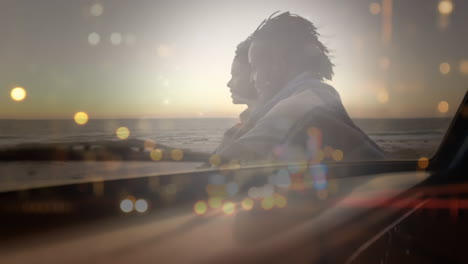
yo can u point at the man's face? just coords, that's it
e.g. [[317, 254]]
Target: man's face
[[265, 71], [240, 85]]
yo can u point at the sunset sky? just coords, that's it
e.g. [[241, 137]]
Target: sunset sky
[[145, 58]]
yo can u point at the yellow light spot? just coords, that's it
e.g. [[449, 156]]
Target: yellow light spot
[[229, 208], [96, 9], [328, 151], [337, 155], [141, 205], [445, 7], [423, 162], [215, 160], [200, 208], [177, 154], [215, 202], [247, 204], [268, 203], [122, 133], [126, 205], [280, 201], [443, 107], [384, 63], [444, 68], [18, 94], [164, 50], [382, 96], [156, 154], [81, 118], [464, 66], [375, 8]]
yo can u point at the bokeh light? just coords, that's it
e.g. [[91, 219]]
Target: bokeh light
[[94, 39], [375, 8], [215, 160], [122, 133], [116, 38], [141, 205], [337, 155], [229, 208], [215, 202], [126, 205], [280, 201], [247, 204], [444, 68], [443, 107], [445, 7], [96, 9], [156, 154], [268, 203], [464, 66], [81, 118], [18, 94], [177, 154], [200, 207], [423, 162]]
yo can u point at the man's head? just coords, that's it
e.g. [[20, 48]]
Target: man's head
[[241, 86], [284, 46]]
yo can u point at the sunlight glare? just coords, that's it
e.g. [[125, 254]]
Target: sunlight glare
[[81, 118], [18, 94]]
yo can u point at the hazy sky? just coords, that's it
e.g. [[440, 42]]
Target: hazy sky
[[121, 58]]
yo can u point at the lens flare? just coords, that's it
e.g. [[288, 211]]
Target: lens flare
[[141, 205], [126, 205], [443, 107]]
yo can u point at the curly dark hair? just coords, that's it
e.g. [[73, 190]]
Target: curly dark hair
[[242, 51], [296, 40]]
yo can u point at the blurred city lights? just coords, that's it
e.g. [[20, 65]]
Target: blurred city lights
[[156, 154], [247, 204], [141, 205], [443, 107], [215, 202], [126, 205], [177, 154], [116, 38], [280, 201], [122, 133], [375, 8], [96, 9], [444, 68], [445, 7], [423, 162], [81, 118], [464, 66], [229, 208], [215, 160], [337, 155], [18, 94], [268, 203], [200, 208], [94, 39]]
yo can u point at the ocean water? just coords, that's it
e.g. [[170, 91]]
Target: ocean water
[[402, 138]]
